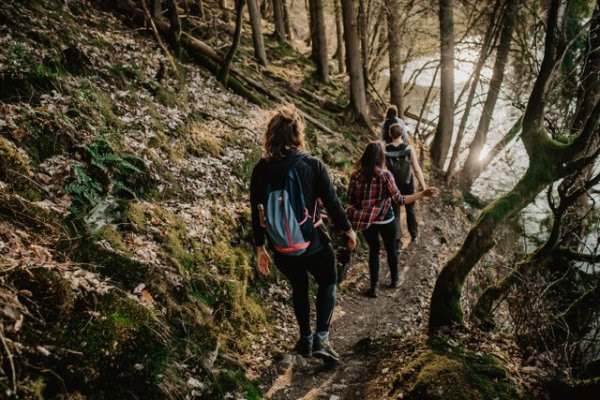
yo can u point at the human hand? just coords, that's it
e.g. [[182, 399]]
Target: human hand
[[430, 192], [262, 260], [351, 239]]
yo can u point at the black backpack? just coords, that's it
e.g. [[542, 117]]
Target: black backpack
[[398, 163]]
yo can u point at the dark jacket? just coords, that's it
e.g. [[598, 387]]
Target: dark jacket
[[315, 185]]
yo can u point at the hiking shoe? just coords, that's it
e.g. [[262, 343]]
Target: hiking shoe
[[304, 346], [372, 292], [322, 349]]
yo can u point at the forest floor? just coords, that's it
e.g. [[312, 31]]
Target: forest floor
[[360, 322], [127, 264]]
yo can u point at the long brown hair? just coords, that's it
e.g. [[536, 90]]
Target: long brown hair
[[372, 157], [285, 131]]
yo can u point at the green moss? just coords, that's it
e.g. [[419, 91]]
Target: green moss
[[201, 142], [166, 97], [116, 341], [52, 287], [230, 381], [15, 171], [442, 372]]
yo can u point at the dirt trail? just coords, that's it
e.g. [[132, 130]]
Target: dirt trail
[[358, 319]]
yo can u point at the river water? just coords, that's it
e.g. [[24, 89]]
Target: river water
[[512, 162]]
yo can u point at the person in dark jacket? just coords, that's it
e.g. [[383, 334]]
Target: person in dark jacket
[[371, 192], [405, 181], [283, 145], [391, 118]]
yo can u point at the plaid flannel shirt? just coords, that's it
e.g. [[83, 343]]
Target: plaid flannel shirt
[[371, 201]]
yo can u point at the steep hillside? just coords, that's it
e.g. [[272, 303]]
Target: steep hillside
[[125, 263]]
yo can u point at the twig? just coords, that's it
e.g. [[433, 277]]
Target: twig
[[10, 360], [157, 37], [229, 124]]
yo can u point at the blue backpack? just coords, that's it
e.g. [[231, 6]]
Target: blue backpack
[[288, 221]]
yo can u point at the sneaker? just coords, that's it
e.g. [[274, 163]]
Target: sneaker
[[395, 283], [323, 350], [372, 292], [304, 346]]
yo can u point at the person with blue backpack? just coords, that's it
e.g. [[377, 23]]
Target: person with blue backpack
[[286, 189]]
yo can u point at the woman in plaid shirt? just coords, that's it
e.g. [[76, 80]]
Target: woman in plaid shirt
[[370, 195]]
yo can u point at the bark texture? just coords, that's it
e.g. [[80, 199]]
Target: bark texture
[[257, 36], [358, 98], [239, 19], [395, 55], [443, 135], [339, 31], [279, 21], [548, 161], [472, 166], [319, 39]]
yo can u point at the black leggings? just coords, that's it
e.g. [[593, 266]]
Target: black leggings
[[411, 217], [388, 234], [321, 266]]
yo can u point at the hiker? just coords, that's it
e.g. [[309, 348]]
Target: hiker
[[401, 161], [284, 191], [371, 192], [391, 118]]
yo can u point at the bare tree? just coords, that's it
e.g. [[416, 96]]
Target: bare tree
[[549, 161], [279, 20], [257, 36], [471, 168], [319, 39], [443, 135], [473, 84], [175, 31], [339, 30], [239, 19], [358, 98], [395, 56]]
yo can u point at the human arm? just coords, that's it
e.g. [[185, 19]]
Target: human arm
[[417, 168], [257, 190], [326, 192], [423, 194]]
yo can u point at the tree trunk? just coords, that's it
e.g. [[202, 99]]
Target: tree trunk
[[395, 56], [500, 145], [257, 36], [474, 82], [358, 98], [175, 31], [155, 8], [223, 6], [279, 20], [547, 161], [286, 18], [319, 39], [472, 164], [443, 135], [339, 31], [589, 89], [239, 19], [364, 45]]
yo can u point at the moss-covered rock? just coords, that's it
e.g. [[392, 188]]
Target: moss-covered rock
[[15, 170], [438, 371]]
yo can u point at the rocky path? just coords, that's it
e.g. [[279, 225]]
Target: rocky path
[[358, 320]]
